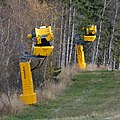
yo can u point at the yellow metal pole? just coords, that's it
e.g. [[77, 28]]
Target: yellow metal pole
[[81, 58], [28, 96]]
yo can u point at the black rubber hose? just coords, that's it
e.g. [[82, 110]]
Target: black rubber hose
[[37, 66]]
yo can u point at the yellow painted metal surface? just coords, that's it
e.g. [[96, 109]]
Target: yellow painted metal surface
[[89, 38], [42, 50], [91, 30], [43, 32], [90, 33], [81, 58], [29, 36], [28, 96]]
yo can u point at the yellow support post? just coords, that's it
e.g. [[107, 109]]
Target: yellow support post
[[81, 58], [28, 96]]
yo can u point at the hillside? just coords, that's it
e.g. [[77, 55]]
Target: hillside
[[90, 96]]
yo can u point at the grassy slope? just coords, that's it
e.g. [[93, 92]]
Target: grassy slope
[[92, 96]]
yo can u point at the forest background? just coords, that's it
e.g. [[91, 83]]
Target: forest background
[[19, 17]]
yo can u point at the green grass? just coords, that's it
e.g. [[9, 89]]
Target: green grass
[[91, 96]]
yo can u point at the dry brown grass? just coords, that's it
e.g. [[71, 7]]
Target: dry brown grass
[[92, 67], [52, 90], [69, 71], [10, 104]]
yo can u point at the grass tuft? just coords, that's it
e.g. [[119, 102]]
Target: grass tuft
[[52, 89], [10, 104]]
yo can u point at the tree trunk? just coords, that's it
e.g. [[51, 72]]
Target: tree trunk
[[99, 36], [72, 38], [61, 36], [114, 61], [93, 55], [112, 35], [119, 63], [69, 31], [75, 55], [64, 42], [104, 57]]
